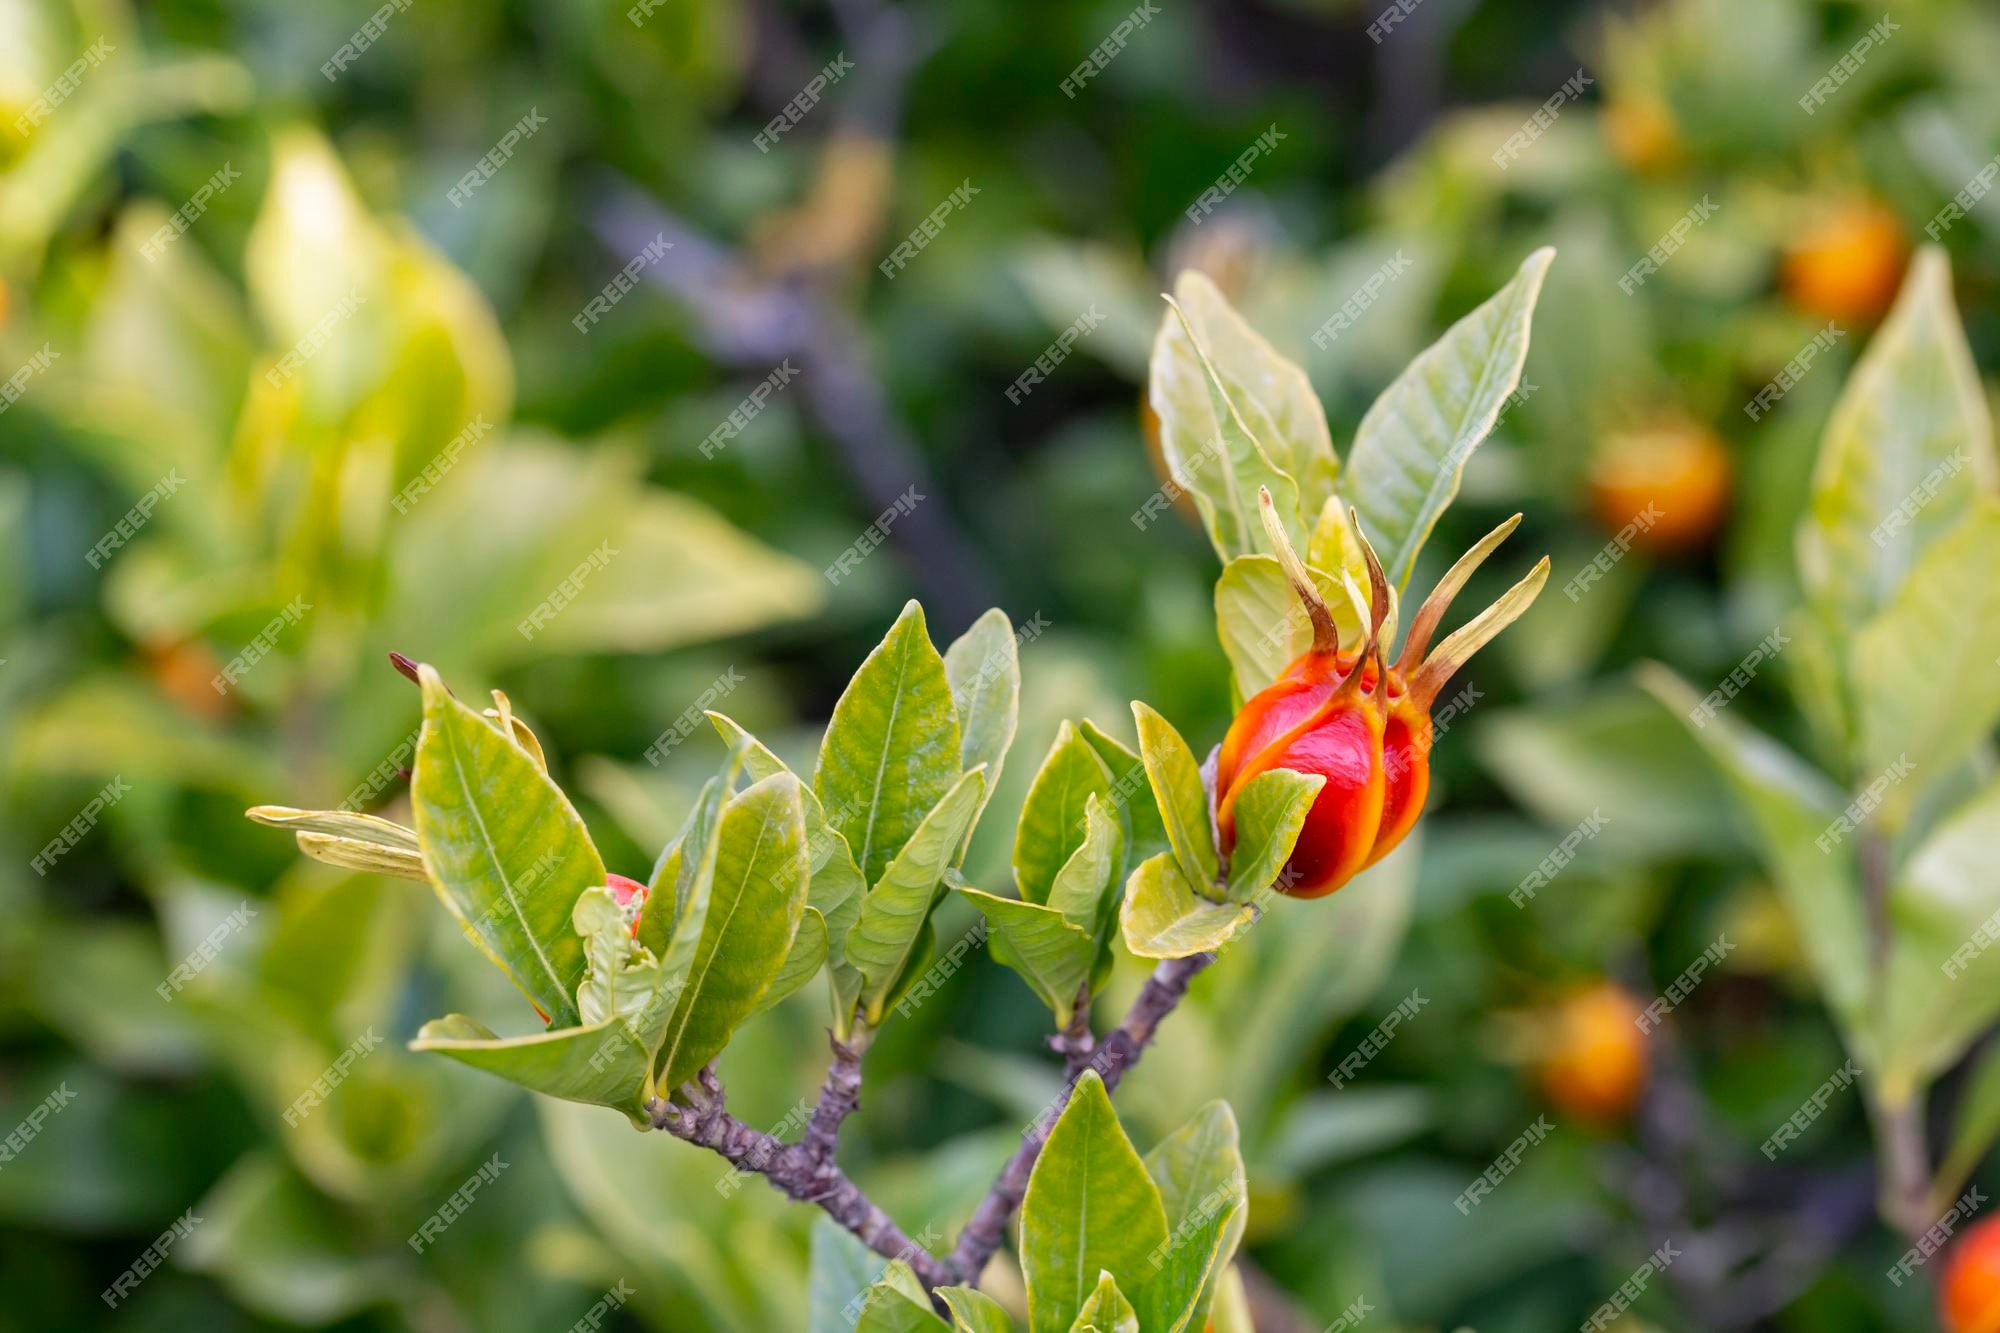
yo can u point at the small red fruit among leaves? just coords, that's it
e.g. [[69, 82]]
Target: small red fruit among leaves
[[1348, 715]]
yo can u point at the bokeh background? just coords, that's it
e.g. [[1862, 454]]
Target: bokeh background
[[192, 190]]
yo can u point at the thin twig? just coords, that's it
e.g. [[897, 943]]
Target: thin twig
[[839, 1097], [1117, 1053], [1075, 1043], [793, 1171]]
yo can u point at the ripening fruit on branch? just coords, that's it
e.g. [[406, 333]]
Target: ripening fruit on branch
[[1664, 486], [1348, 715], [1847, 265], [1641, 133], [1591, 1056], [1969, 1292]]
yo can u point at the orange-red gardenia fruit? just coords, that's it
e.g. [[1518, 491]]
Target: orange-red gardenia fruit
[[1668, 483], [1594, 1064], [1847, 265], [1969, 1292], [1363, 725], [629, 894]]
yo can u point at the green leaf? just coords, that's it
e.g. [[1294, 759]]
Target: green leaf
[[1926, 684], [1177, 789], [757, 897], [372, 857], [1942, 988], [602, 1065], [1083, 887], [1053, 817], [507, 852], [1177, 1294], [897, 1304], [1209, 451], [1910, 429], [983, 666], [1412, 445], [1203, 1188], [1051, 952], [340, 823], [836, 881], [1791, 805], [1162, 917], [1145, 834], [891, 750], [676, 874], [974, 1311], [842, 1269], [1107, 1310], [1270, 392], [893, 915], [1270, 811], [1263, 625], [1976, 1125], [802, 962], [1090, 1209]]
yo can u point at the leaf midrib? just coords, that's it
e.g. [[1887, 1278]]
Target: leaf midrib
[[506, 882]]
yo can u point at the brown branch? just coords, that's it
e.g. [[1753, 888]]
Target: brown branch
[[1118, 1052], [839, 1097], [793, 1171], [1075, 1043]]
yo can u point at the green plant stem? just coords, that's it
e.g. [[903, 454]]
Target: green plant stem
[[1899, 1121], [1118, 1052]]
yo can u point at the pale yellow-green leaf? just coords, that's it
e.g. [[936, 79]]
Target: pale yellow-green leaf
[[1177, 789], [1411, 448], [1050, 952], [1927, 669], [508, 854], [1107, 1310], [1163, 917], [1052, 823], [1270, 811], [356, 854], [1908, 446], [601, 1065], [885, 939]]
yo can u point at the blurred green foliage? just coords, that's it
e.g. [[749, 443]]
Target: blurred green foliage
[[329, 326]]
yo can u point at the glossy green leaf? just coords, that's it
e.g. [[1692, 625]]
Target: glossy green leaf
[[1203, 1188], [802, 961], [1975, 1125], [1175, 778], [1176, 1294], [1907, 448], [1270, 811], [1083, 888], [1131, 796], [1270, 391], [507, 852], [1163, 917], [1792, 806], [1053, 817], [842, 1270], [897, 1304], [1051, 952], [983, 666], [1107, 1310], [1942, 986], [836, 881], [1411, 448], [756, 899], [891, 749], [1090, 1209], [1927, 670], [602, 1065], [675, 873], [893, 915], [1208, 450], [974, 1311]]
